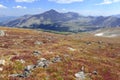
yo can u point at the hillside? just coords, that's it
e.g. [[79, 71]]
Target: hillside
[[70, 21], [62, 56], [108, 32]]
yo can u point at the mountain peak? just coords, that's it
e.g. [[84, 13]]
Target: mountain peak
[[52, 11]]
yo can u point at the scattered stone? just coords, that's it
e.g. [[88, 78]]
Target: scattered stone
[[80, 75], [95, 72], [14, 75], [2, 33], [2, 62], [25, 74], [42, 63], [36, 52], [56, 59], [71, 49], [18, 75], [29, 67], [38, 43]]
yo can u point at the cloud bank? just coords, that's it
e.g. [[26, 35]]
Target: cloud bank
[[2, 6], [20, 7], [108, 2]]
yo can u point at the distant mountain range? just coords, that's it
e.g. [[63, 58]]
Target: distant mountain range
[[70, 21], [6, 18]]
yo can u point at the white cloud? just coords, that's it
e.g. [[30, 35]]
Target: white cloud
[[20, 7], [108, 2], [64, 9], [2, 6], [25, 0], [66, 1]]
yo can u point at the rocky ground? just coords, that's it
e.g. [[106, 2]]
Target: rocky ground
[[37, 55]]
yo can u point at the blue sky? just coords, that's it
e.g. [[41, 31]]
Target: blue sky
[[84, 7]]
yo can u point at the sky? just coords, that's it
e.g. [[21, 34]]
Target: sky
[[83, 7]]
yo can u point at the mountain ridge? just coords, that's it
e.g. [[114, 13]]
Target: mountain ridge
[[70, 21]]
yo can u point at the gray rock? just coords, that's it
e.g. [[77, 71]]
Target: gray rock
[[29, 67], [80, 75], [56, 59], [25, 74], [42, 63], [95, 72], [15, 75]]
